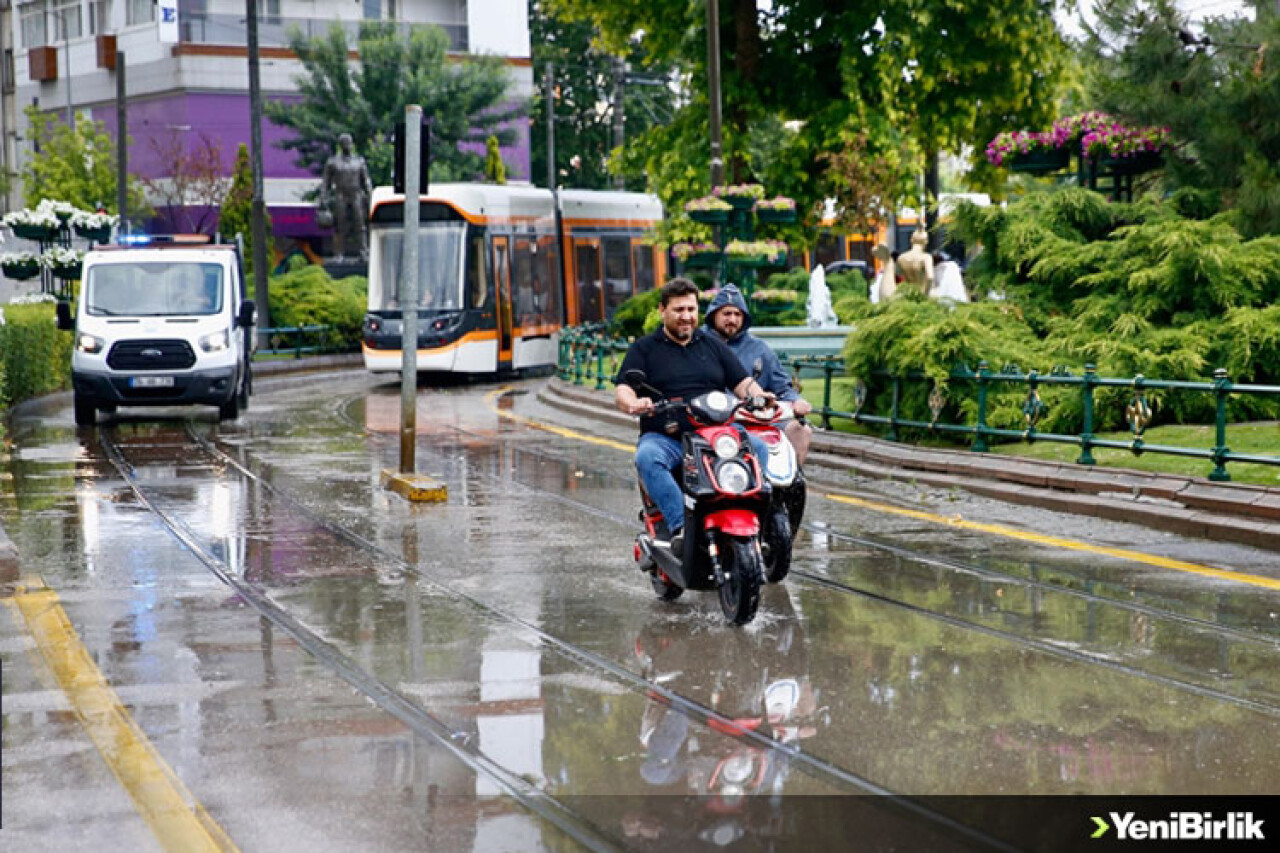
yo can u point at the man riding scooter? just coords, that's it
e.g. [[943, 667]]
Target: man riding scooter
[[729, 318], [681, 361]]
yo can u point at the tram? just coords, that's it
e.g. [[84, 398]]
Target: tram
[[501, 269]]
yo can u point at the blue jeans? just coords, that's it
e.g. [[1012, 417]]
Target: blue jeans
[[657, 455]]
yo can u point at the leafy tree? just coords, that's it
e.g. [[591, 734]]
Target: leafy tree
[[75, 165], [888, 80], [236, 216], [464, 101], [495, 171], [1217, 90], [193, 186], [585, 78]]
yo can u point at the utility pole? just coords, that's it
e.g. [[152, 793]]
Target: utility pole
[[66, 38], [619, 116], [259, 216], [549, 95], [713, 81], [409, 288], [122, 148]]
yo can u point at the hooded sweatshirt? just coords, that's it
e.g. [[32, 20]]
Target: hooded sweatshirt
[[755, 355]]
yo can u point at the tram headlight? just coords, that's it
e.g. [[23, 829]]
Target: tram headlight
[[726, 446], [734, 477]]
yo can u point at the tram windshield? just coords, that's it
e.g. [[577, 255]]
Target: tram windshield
[[439, 266]]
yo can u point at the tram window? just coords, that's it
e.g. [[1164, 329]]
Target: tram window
[[642, 263], [523, 275], [587, 266], [830, 248], [547, 282], [477, 273], [617, 273]]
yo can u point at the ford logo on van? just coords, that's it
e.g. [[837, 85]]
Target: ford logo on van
[[151, 353]]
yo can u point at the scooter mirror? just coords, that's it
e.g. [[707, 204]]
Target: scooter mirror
[[635, 378], [757, 367]]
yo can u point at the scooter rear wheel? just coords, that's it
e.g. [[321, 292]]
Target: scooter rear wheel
[[666, 590], [740, 595], [777, 539]]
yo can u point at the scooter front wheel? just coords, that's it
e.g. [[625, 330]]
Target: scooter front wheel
[[777, 541], [740, 594]]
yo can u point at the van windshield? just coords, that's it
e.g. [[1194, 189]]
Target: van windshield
[[153, 289]]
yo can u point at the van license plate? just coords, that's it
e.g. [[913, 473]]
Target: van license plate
[[151, 382]]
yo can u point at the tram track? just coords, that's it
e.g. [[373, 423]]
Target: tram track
[[422, 722], [1057, 649]]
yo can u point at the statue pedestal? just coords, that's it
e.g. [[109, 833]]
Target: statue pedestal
[[344, 267]]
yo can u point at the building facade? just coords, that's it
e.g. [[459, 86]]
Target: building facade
[[187, 80]]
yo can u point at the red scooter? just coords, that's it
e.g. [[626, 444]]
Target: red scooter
[[726, 497]]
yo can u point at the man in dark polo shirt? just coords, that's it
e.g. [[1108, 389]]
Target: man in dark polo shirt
[[681, 360]]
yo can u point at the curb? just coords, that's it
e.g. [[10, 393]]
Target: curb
[[1228, 512]]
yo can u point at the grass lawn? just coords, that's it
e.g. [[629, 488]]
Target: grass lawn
[[1261, 439]]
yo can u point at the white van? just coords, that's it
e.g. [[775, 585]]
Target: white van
[[161, 325]]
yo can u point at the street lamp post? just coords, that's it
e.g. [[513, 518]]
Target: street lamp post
[[713, 82], [65, 17]]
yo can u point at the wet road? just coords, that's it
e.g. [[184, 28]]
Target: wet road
[[308, 662]]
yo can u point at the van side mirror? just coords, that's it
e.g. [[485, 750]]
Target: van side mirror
[[248, 314], [66, 322]]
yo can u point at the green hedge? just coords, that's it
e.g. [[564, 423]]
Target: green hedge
[[309, 296], [35, 358]]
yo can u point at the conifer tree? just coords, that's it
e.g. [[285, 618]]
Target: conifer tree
[[236, 216]]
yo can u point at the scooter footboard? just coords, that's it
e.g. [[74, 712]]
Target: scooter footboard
[[735, 522]]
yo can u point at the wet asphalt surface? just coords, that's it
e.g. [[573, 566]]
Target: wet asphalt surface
[[494, 674]]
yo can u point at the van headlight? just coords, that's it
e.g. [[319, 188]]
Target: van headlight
[[733, 477], [726, 446], [216, 342], [89, 343]]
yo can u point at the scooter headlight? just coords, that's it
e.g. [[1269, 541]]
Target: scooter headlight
[[726, 446], [734, 477]]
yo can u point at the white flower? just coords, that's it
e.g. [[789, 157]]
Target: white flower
[[92, 221], [60, 257], [33, 299], [45, 218], [18, 257], [64, 209]]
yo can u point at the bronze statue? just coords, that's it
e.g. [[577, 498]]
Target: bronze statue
[[344, 193]]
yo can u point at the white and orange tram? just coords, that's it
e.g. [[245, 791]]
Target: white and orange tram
[[501, 270]]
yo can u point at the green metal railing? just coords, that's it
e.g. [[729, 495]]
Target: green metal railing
[[298, 340], [985, 381], [589, 355]]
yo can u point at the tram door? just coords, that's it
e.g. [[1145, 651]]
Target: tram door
[[502, 291]]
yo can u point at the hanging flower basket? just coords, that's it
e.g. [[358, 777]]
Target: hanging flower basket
[[71, 272], [33, 232], [94, 235], [702, 260], [21, 270], [776, 215], [710, 217], [741, 196], [1133, 164], [1041, 161]]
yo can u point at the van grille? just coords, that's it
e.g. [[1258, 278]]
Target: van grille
[[151, 355]]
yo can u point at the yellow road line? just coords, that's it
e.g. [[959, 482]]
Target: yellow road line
[[177, 820], [994, 529], [1059, 542]]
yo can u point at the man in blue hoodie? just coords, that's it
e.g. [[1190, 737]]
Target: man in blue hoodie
[[728, 316]]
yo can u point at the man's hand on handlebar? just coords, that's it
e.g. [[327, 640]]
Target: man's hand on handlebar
[[643, 406]]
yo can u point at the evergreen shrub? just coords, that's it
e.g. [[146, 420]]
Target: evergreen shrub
[[34, 356], [310, 296]]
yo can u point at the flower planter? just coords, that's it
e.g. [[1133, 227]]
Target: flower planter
[[739, 202], [752, 261], [33, 232], [777, 215], [709, 217], [21, 271], [702, 259], [1135, 164], [1041, 162], [71, 273], [95, 235]]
